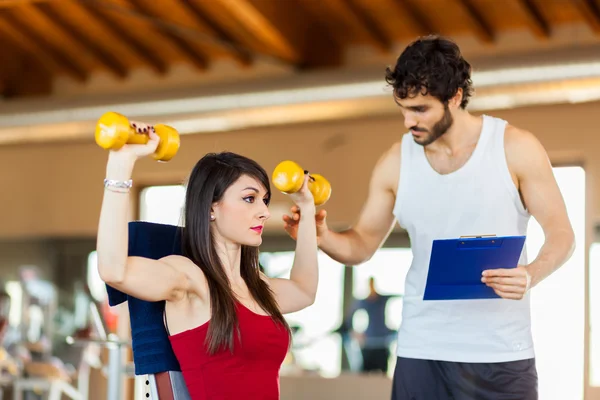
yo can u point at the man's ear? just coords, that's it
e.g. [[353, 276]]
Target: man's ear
[[456, 100]]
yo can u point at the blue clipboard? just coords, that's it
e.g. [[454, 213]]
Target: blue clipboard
[[456, 265]]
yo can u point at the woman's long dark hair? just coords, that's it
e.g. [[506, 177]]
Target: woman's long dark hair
[[209, 180]]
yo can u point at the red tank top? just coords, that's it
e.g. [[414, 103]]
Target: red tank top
[[250, 372]]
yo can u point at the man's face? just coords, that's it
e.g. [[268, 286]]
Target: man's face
[[426, 117]]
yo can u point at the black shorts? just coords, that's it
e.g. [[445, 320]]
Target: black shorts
[[375, 359], [441, 380]]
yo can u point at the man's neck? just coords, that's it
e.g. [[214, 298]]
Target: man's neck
[[464, 132]]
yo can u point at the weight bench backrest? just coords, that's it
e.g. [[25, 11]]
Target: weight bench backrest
[[152, 352]]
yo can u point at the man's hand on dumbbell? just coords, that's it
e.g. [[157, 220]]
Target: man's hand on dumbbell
[[290, 222]]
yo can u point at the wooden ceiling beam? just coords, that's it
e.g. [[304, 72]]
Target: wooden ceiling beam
[[242, 56], [259, 26], [198, 59], [534, 19], [32, 20], [108, 59], [16, 3], [30, 46], [45, 50], [590, 12], [417, 17], [21, 75], [478, 25], [30, 80], [140, 49], [366, 23]]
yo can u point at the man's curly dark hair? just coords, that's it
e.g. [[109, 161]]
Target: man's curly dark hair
[[431, 65]]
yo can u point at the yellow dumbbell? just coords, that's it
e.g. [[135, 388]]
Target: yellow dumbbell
[[114, 130], [288, 177]]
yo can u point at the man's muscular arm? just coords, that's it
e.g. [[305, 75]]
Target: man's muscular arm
[[358, 244], [528, 161]]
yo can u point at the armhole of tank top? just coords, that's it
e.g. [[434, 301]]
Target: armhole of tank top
[[500, 154], [402, 179]]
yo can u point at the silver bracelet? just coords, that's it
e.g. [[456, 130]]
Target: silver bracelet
[[118, 186]]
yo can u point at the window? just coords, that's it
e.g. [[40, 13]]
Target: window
[[389, 268], [594, 289], [315, 346], [162, 204], [558, 302], [95, 283]]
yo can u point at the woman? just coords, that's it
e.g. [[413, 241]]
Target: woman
[[223, 315]]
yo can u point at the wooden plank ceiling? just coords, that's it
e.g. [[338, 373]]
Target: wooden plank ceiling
[[42, 39]]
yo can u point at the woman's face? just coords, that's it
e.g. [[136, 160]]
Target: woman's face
[[241, 214]]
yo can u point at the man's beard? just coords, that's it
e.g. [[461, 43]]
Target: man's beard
[[438, 129]]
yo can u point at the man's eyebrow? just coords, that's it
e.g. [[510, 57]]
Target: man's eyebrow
[[414, 107]]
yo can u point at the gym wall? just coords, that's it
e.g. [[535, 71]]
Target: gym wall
[[55, 190]]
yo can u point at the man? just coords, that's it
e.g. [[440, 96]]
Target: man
[[375, 340], [456, 174]]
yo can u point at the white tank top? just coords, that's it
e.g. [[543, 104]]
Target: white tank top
[[479, 198]]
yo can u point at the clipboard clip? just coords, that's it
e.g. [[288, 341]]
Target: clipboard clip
[[477, 236]]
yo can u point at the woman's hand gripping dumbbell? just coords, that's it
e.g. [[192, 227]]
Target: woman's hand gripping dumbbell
[[288, 177], [114, 130]]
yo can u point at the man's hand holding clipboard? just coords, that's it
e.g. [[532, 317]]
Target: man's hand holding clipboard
[[477, 267], [508, 283]]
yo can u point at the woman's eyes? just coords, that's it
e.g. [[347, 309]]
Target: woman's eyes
[[250, 199]]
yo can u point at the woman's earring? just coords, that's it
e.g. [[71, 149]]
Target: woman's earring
[[212, 217]]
